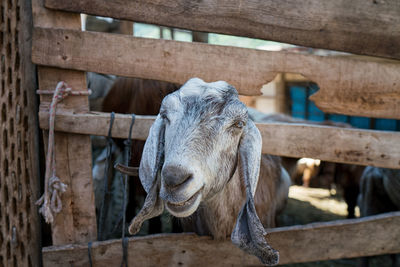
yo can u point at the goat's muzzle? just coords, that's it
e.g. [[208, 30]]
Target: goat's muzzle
[[180, 189], [175, 175]]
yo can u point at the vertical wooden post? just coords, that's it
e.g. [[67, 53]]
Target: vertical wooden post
[[77, 221], [126, 27], [281, 97], [201, 37]]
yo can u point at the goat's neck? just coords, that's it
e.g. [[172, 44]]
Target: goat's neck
[[217, 216]]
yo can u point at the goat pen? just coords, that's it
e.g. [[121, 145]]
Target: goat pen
[[349, 86]]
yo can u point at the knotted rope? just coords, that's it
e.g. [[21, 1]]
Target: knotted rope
[[50, 201]]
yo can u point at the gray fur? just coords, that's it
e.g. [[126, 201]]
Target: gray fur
[[201, 143]]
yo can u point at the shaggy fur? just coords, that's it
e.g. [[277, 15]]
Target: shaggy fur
[[217, 216]]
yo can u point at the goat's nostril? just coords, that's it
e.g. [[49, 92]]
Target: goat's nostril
[[174, 175]]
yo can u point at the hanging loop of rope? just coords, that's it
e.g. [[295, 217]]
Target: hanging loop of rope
[[50, 201]]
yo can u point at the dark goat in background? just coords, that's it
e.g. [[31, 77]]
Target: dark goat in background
[[141, 97], [379, 193]]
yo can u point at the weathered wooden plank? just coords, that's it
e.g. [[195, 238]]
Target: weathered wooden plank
[[348, 86], [367, 236], [42, 17], [314, 242], [360, 27], [97, 123], [77, 220], [363, 147]]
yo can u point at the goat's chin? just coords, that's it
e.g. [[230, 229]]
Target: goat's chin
[[186, 208]]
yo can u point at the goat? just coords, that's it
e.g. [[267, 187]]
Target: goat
[[139, 96], [202, 161], [379, 193]]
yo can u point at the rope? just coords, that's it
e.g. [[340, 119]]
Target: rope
[[124, 252], [69, 90], [90, 254], [127, 158], [105, 184], [50, 201]]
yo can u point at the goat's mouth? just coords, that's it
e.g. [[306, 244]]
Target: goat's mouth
[[185, 208]]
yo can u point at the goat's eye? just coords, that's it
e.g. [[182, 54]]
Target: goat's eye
[[239, 124], [164, 116]]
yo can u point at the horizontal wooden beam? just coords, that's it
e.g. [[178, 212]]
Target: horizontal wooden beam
[[357, 26], [97, 123], [363, 147], [347, 86], [314, 242]]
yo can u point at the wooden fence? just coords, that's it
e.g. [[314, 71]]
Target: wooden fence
[[347, 86]]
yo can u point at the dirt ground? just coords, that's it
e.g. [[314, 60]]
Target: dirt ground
[[308, 205]]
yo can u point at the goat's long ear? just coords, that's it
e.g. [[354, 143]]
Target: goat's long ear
[[248, 233], [153, 154], [149, 173]]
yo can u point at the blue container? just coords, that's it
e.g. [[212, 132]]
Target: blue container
[[385, 124], [360, 122], [314, 113], [338, 118], [298, 95]]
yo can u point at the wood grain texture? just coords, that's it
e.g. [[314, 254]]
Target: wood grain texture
[[32, 239], [97, 123], [43, 17], [347, 86], [358, 26], [77, 220], [363, 147], [314, 242]]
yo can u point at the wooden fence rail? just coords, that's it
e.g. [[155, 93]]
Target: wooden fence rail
[[364, 147], [347, 86], [314, 242], [331, 25]]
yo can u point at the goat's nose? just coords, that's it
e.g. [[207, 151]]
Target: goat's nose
[[173, 175]]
